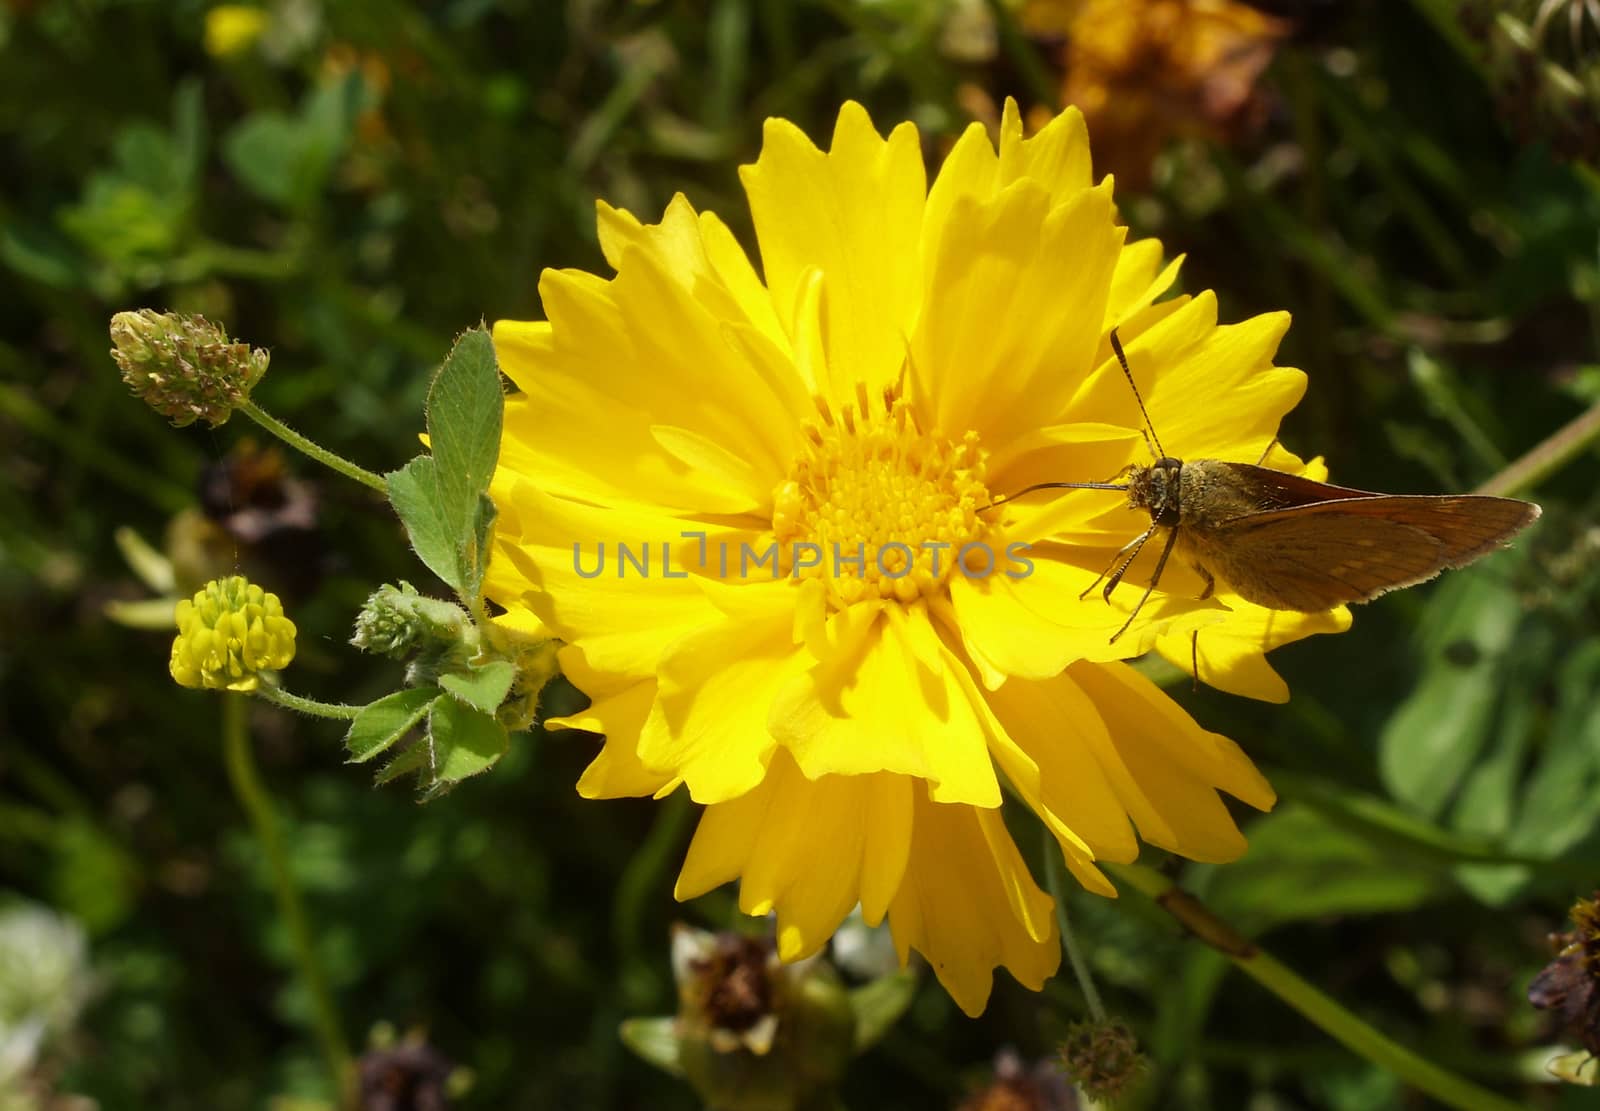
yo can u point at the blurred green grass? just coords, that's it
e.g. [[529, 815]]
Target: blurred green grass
[[372, 177]]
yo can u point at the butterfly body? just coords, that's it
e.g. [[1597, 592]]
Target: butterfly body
[[1288, 543]]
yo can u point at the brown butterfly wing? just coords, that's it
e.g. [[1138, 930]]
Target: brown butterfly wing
[[1281, 490], [1329, 553]]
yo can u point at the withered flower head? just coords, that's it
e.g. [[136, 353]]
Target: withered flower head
[[184, 367], [1570, 984], [727, 982], [1102, 1057], [751, 1031], [409, 1075]]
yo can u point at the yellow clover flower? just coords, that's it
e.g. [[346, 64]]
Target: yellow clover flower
[[227, 633], [909, 355]]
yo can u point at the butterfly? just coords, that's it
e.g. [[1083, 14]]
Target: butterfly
[[1286, 542]]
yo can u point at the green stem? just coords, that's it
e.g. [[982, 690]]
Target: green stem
[[1333, 1018], [258, 805], [1557, 450], [1069, 941], [339, 711], [638, 888], [316, 451]]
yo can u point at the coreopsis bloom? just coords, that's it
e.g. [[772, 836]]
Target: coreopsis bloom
[[229, 633], [1146, 71], [758, 508]]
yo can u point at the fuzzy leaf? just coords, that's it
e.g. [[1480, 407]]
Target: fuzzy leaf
[[482, 687], [464, 417], [413, 759], [414, 493], [443, 498], [378, 726], [465, 741]]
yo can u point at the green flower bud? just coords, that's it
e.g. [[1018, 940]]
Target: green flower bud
[[227, 633], [396, 620], [184, 367]]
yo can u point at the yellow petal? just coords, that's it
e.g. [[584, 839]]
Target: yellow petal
[[1134, 282], [1056, 156], [968, 175], [1228, 650], [740, 279], [1011, 316], [1165, 769], [874, 706], [709, 721], [1057, 730], [967, 903], [855, 213], [616, 772], [1035, 780], [808, 850], [1001, 622], [555, 568], [623, 357], [1212, 392]]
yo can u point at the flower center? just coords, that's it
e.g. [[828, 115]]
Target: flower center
[[878, 508]]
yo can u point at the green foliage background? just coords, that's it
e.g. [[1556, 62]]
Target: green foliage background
[[374, 177]]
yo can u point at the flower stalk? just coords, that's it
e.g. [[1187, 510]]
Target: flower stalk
[[253, 796], [336, 711], [1550, 455], [1330, 1016], [1069, 941], [315, 450]]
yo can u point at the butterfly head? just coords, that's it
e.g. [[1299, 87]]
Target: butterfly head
[[1155, 488]]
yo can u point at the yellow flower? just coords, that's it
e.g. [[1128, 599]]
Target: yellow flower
[[230, 631], [1147, 71], [909, 355], [232, 29]]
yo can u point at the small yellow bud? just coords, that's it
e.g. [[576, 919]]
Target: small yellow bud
[[227, 633], [233, 28], [184, 367]]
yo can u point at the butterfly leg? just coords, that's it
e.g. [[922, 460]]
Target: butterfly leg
[[1211, 582], [1118, 565], [1166, 550], [1194, 655], [1272, 443]]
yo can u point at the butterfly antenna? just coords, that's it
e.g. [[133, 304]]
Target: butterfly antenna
[[1116, 346], [1003, 498]]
